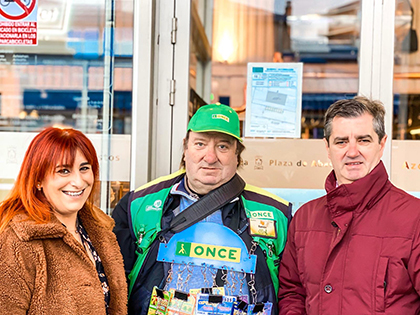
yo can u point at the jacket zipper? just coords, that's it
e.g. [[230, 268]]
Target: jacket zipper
[[337, 235]]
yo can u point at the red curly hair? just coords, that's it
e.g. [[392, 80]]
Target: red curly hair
[[50, 147]]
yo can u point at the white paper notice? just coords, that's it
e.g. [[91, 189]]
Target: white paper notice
[[274, 100]]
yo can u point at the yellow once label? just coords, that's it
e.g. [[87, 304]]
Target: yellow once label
[[220, 116], [262, 214], [221, 253]]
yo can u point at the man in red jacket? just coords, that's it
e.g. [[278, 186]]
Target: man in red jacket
[[357, 249]]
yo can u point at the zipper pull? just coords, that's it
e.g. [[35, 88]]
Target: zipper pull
[[270, 248], [140, 234]]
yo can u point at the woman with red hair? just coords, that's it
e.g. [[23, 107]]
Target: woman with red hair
[[58, 254]]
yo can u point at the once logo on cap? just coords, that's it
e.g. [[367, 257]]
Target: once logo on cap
[[220, 116]]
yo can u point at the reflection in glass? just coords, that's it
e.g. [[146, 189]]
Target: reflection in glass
[[325, 37], [62, 78], [83, 60], [406, 72]]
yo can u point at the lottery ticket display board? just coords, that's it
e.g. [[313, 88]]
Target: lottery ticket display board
[[213, 247], [18, 22]]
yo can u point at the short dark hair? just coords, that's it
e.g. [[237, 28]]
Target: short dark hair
[[239, 149], [355, 107]]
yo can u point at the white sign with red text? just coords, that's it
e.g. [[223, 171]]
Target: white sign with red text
[[18, 22]]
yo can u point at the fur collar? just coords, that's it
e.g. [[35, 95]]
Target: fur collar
[[27, 229]]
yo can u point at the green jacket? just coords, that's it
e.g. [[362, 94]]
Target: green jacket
[[148, 204]]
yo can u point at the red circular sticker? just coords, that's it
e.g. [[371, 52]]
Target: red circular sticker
[[26, 11]]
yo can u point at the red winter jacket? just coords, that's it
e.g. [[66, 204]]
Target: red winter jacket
[[354, 251]]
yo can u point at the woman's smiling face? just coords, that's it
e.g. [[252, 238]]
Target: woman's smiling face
[[69, 186]]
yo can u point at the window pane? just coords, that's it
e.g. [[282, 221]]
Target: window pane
[[406, 123], [324, 37], [79, 75]]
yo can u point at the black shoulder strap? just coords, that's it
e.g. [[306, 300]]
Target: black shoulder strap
[[208, 204]]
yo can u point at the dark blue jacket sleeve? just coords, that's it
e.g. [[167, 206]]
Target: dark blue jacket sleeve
[[123, 231]]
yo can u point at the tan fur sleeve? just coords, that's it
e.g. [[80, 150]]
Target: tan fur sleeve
[[17, 274]]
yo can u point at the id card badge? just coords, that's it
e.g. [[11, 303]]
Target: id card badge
[[159, 302], [262, 228], [211, 291], [208, 304], [181, 303], [260, 308]]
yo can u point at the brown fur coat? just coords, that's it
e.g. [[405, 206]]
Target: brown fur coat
[[44, 270]]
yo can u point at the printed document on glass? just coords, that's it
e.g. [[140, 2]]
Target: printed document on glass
[[274, 100]]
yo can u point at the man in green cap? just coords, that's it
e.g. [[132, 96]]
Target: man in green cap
[[152, 215]]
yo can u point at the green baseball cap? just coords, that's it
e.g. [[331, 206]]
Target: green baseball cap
[[216, 117]]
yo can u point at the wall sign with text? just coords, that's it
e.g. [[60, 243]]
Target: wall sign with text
[[18, 22], [274, 100]]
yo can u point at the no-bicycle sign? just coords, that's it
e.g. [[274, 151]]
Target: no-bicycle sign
[[18, 22]]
